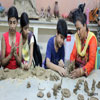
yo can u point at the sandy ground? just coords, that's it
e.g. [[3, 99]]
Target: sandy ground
[[38, 72]]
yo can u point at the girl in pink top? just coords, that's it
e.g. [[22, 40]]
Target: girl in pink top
[[11, 42]]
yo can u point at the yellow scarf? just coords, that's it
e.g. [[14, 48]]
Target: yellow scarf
[[79, 48]]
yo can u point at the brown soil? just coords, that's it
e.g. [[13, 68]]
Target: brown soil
[[38, 72]]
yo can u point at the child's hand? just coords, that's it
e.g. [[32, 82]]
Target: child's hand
[[62, 71], [12, 49], [15, 50], [61, 63], [26, 66]]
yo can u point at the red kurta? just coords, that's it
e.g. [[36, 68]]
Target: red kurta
[[88, 61]]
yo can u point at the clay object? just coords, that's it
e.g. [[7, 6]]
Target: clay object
[[40, 87], [80, 97], [59, 85], [42, 15], [6, 70], [55, 89], [66, 93], [98, 85], [40, 94], [48, 94], [77, 86], [93, 86], [28, 85], [54, 77], [86, 89], [56, 10], [92, 89], [49, 12], [93, 98], [69, 68], [80, 81]]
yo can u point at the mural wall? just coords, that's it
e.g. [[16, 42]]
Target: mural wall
[[64, 5]]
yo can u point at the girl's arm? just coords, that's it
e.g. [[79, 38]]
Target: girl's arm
[[31, 54]]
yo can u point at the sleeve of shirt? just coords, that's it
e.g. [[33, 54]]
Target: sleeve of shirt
[[92, 56], [48, 51], [32, 40], [74, 53]]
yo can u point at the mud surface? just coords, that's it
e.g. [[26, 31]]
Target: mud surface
[[38, 72]]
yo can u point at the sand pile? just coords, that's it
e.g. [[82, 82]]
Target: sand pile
[[38, 72]]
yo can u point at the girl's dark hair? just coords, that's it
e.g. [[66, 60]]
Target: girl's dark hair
[[24, 19], [12, 12], [83, 19], [62, 27]]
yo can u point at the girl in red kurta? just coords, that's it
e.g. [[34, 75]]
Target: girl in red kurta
[[11, 42], [84, 50]]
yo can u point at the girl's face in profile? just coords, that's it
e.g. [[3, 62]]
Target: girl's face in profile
[[12, 24], [25, 30]]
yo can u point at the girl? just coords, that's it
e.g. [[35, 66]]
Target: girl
[[27, 49]]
